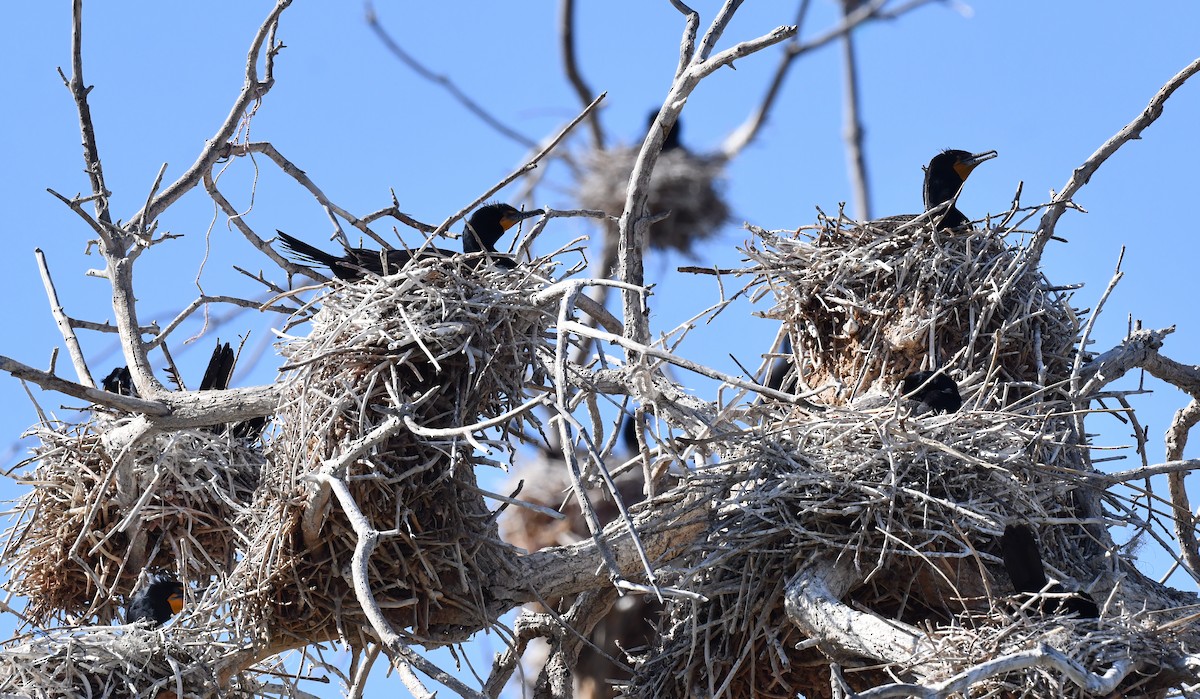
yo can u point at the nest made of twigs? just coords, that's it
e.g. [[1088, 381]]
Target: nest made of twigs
[[438, 346], [685, 184], [118, 661], [916, 505], [864, 304], [88, 526]]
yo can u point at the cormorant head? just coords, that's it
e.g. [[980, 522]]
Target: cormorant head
[[945, 175], [164, 585], [490, 222], [671, 140]]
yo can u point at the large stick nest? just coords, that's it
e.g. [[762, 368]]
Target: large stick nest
[[118, 662], [441, 346], [687, 186], [917, 507], [864, 304], [94, 519]]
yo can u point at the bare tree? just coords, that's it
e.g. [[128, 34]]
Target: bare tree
[[831, 540]]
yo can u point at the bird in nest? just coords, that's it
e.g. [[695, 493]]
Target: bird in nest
[[1023, 562], [156, 602], [484, 228], [944, 178], [934, 389]]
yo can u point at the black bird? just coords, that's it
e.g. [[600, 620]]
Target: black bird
[[671, 140], [1023, 561], [484, 229], [939, 392], [944, 177], [220, 368], [777, 375], [157, 601], [119, 381], [217, 376]]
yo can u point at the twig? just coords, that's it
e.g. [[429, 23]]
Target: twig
[[634, 219], [253, 90], [65, 325], [529, 165], [853, 130], [443, 81], [566, 35], [1083, 174]]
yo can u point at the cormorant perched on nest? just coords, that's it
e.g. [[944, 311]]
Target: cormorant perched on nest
[[939, 392], [157, 602], [119, 381], [944, 177], [217, 376], [483, 229], [1023, 562]]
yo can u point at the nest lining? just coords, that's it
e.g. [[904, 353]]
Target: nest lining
[[686, 185], [862, 304], [84, 531], [445, 347]]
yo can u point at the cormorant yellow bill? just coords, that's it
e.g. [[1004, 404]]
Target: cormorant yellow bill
[[964, 166]]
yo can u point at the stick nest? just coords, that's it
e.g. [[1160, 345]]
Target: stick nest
[[87, 527], [686, 185], [916, 506], [118, 661], [437, 344], [863, 304]]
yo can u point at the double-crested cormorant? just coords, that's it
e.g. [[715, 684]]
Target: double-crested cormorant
[[944, 177], [1023, 561], [671, 140], [157, 601], [484, 229], [119, 381], [939, 392], [217, 376]]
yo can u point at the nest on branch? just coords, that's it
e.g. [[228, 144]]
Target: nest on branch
[[866, 304], [119, 662], [438, 346], [916, 507], [93, 518], [686, 185]]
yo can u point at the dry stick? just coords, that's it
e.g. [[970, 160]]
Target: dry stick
[[853, 130], [529, 165], [65, 325], [368, 537], [91, 151], [1083, 173], [252, 90], [566, 35], [290, 169], [743, 135], [1182, 516], [695, 65], [235, 217], [444, 82], [649, 351], [91, 394], [1043, 656]]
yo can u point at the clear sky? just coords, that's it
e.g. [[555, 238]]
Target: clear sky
[[1044, 83]]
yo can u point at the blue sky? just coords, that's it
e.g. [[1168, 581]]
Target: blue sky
[[1043, 83]]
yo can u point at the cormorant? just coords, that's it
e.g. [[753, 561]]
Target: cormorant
[[157, 601], [484, 229], [119, 381], [944, 177], [671, 140], [1023, 561], [778, 372], [939, 392], [217, 376]]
